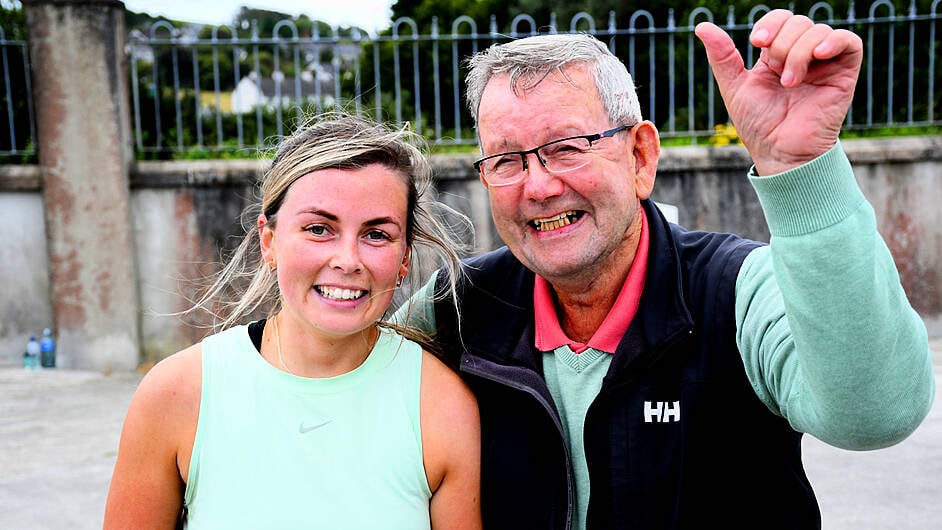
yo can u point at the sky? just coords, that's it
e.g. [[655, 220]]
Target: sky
[[371, 15]]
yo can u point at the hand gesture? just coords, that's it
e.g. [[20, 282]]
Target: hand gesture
[[788, 109]]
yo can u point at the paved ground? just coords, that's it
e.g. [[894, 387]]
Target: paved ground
[[59, 434], [898, 488]]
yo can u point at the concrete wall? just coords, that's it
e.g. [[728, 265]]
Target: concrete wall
[[906, 196], [24, 273], [186, 214]]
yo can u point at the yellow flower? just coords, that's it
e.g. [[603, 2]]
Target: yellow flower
[[724, 134]]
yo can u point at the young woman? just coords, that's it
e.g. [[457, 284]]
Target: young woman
[[319, 416]]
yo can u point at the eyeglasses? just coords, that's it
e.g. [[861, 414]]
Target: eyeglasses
[[558, 156]]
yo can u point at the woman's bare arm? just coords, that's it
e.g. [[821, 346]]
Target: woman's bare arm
[[451, 441], [156, 442]]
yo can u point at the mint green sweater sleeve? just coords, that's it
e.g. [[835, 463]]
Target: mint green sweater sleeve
[[827, 335], [418, 312]]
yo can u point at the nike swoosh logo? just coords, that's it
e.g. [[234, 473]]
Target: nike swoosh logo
[[306, 429]]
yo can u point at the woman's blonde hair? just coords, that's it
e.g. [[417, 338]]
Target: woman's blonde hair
[[335, 140]]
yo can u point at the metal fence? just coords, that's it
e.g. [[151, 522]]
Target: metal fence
[[18, 132], [234, 90]]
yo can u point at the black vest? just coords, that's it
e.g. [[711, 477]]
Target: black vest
[[676, 438]]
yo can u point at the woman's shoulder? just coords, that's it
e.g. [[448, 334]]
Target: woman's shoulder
[[444, 395], [439, 374], [174, 384], [450, 424]]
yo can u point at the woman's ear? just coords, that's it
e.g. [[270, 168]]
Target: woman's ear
[[646, 149], [406, 260], [266, 236], [403, 267]]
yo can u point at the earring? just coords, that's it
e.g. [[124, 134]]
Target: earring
[[399, 282], [273, 266]]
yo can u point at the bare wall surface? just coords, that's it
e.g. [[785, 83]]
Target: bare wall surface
[[181, 236], [185, 215], [24, 273], [906, 197]]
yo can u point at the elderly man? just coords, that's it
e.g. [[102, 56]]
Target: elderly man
[[634, 374]]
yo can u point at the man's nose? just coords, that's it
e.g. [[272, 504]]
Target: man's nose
[[539, 184]]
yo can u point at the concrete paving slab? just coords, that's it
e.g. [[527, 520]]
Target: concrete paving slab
[[59, 432]]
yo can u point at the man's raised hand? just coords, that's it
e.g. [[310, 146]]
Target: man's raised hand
[[788, 109]]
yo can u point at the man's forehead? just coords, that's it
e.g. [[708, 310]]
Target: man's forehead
[[574, 74], [574, 78]]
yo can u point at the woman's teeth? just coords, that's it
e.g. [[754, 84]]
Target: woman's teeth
[[336, 293]]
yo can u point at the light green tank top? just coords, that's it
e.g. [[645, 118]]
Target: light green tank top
[[276, 451]]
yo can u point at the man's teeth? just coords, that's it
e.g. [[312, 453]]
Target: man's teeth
[[340, 294], [558, 221]]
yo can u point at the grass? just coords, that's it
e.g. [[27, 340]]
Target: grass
[[888, 132]]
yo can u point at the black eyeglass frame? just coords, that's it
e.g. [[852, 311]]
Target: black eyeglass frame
[[536, 151]]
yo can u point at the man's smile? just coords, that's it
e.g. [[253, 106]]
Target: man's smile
[[557, 221]]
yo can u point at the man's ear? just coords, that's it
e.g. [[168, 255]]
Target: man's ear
[[646, 149]]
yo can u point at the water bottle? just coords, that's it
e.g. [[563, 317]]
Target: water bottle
[[47, 347], [32, 352]]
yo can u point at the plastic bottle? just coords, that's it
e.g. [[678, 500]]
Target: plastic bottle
[[47, 347], [32, 351]]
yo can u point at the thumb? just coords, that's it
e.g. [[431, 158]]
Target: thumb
[[722, 54]]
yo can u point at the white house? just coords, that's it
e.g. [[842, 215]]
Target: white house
[[252, 91]]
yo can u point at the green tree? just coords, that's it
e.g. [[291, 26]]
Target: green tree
[[661, 94], [12, 20]]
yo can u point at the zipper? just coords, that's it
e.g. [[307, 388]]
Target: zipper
[[570, 487]]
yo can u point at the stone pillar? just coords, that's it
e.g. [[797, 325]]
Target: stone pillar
[[79, 79]]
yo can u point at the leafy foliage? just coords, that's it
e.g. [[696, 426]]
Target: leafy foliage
[[15, 135]]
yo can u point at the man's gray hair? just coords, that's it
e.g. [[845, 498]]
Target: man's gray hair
[[530, 60]]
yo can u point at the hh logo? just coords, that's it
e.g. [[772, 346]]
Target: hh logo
[[661, 411]]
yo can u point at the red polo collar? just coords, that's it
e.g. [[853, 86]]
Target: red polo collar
[[549, 334]]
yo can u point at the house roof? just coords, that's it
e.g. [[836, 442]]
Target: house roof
[[288, 87]]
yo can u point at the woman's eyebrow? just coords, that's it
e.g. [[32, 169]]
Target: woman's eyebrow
[[381, 221], [320, 213], [370, 222]]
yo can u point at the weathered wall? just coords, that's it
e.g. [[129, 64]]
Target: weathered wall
[[907, 197], [24, 273], [184, 214], [82, 125], [185, 217]]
